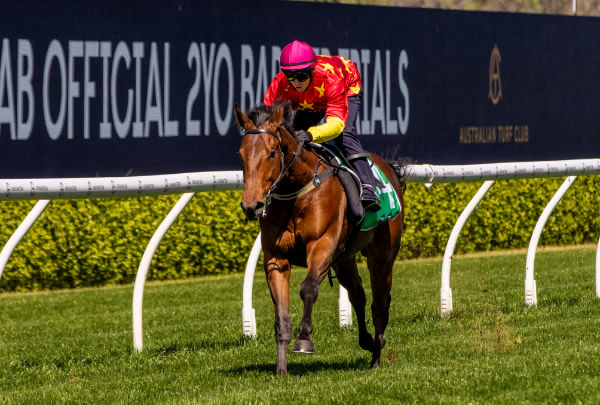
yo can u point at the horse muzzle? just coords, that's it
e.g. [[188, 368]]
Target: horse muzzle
[[253, 211]]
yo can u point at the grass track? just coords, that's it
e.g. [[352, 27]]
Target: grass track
[[75, 346]]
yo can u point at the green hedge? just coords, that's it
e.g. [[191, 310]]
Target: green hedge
[[99, 242], [504, 219]]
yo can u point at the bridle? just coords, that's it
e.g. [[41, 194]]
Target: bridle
[[284, 168]]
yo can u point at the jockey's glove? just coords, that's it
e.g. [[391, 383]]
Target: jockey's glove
[[303, 136]]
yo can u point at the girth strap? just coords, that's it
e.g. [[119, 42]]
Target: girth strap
[[324, 175]]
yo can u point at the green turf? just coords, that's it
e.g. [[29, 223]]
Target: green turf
[[76, 346]]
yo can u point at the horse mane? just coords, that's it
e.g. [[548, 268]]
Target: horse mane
[[260, 114]]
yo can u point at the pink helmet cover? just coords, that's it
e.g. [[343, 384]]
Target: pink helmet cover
[[297, 55]]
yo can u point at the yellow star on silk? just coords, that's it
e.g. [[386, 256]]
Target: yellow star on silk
[[328, 66], [321, 89], [355, 89], [345, 63], [306, 106]]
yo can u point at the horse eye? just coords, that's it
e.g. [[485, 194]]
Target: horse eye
[[272, 154]]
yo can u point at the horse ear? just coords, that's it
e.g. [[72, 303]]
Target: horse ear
[[277, 116], [242, 119]]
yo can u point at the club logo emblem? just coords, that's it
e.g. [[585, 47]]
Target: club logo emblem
[[495, 93]]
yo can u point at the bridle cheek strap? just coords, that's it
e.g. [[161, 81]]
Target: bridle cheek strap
[[284, 170]]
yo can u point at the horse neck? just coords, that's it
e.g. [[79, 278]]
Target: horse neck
[[301, 171]]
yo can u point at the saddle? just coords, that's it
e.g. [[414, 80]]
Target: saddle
[[340, 166]]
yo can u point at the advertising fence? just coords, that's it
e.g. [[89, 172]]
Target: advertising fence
[[139, 88]]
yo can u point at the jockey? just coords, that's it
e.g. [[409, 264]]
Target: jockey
[[324, 86]]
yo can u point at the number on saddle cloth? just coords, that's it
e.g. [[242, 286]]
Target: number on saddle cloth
[[390, 203]]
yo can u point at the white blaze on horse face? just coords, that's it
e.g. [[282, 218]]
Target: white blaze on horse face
[[259, 170]]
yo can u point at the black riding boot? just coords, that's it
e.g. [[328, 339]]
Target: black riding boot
[[368, 196]]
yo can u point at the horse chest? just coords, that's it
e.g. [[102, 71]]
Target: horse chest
[[286, 241]]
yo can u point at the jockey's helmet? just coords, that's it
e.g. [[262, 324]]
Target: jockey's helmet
[[297, 56]]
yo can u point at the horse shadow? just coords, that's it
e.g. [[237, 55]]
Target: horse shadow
[[301, 369]]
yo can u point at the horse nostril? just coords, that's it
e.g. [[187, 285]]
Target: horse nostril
[[249, 210], [253, 210], [259, 207]]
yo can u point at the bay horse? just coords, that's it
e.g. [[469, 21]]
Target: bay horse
[[310, 227]]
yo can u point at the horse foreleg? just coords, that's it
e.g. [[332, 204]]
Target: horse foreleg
[[283, 336], [318, 260], [278, 278], [309, 291]]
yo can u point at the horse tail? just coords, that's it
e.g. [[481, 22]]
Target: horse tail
[[401, 170]]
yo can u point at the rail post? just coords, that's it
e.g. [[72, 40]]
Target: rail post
[[140, 279], [248, 314], [598, 269], [445, 290], [530, 287], [22, 229]]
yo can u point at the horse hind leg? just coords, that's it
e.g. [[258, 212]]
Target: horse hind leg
[[347, 274], [380, 268], [380, 319]]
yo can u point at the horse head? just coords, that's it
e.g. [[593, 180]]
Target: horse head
[[261, 154]]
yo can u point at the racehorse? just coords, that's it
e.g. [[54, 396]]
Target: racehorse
[[309, 227]]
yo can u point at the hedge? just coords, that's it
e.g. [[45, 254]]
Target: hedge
[[101, 241]]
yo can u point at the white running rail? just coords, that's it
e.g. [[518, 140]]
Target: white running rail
[[107, 187]]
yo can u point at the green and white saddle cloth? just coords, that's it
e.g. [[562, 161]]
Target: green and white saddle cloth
[[389, 201]]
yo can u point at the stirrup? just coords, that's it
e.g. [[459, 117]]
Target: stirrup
[[370, 205], [369, 200]]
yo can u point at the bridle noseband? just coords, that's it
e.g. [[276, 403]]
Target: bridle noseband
[[284, 169]]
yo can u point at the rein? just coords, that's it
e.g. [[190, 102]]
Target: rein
[[284, 170]]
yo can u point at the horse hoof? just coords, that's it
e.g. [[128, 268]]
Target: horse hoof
[[304, 346], [378, 344], [375, 360], [366, 342]]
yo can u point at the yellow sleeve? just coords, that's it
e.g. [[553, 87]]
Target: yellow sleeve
[[331, 128]]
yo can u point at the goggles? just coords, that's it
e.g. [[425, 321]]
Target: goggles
[[300, 75]]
